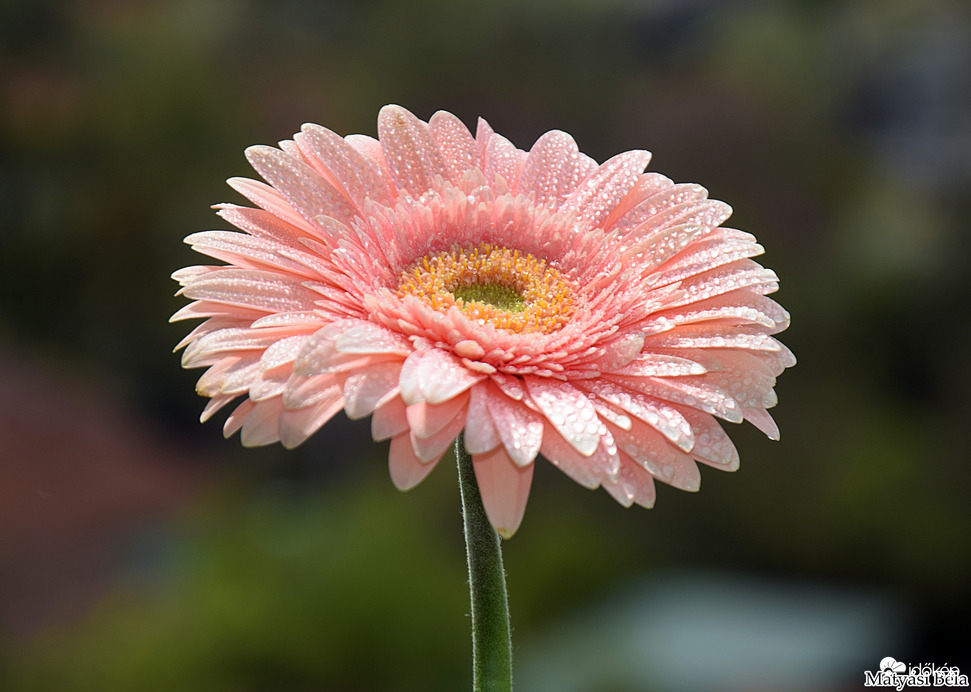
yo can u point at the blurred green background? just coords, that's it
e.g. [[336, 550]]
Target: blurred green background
[[140, 551]]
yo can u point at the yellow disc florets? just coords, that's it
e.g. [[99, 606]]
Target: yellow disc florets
[[511, 289]]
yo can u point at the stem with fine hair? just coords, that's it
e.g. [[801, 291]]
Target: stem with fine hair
[[491, 638]]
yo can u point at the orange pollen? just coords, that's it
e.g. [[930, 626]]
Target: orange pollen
[[511, 289]]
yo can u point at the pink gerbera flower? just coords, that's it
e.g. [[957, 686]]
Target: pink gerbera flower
[[442, 282]]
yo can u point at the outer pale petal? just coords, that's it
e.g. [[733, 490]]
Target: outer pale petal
[[762, 420], [569, 410], [249, 252], [412, 156], [347, 168], [214, 405], [480, 433], [297, 425], [342, 341], [407, 470], [369, 147], [554, 168], [431, 448], [301, 392], [600, 192], [712, 444], [389, 419], [583, 470], [212, 347], [503, 159], [456, 144], [261, 426], [426, 419], [664, 461], [364, 390], [602, 465], [273, 202], [661, 416], [359, 336], [434, 376], [235, 419], [504, 487], [303, 187], [632, 485], [520, 429], [251, 288]]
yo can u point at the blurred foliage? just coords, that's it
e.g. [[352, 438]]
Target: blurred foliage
[[287, 586], [278, 591], [841, 134]]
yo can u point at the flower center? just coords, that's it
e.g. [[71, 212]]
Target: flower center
[[496, 295], [512, 290]]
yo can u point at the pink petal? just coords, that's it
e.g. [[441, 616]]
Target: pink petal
[[297, 425], [701, 394], [261, 426], [235, 419], [663, 417], [569, 410], [504, 487], [503, 159], [301, 392], [455, 143], [601, 191], [366, 389], [738, 306], [272, 201], [248, 252], [262, 224], [632, 485], [302, 186], [712, 444], [661, 365], [343, 342], [744, 274], [251, 288], [359, 177], [389, 419], [480, 433], [624, 215], [270, 384], [214, 405], [761, 419], [554, 168], [483, 132], [371, 148], [426, 419], [664, 461], [648, 214], [520, 430], [209, 383], [406, 469], [359, 336], [652, 250], [282, 352], [238, 379], [209, 348], [434, 376], [431, 448], [622, 351], [587, 471], [413, 158]]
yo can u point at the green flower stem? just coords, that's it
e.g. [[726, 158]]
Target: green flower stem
[[491, 638]]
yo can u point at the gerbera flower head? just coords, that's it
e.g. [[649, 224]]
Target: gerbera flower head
[[441, 282]]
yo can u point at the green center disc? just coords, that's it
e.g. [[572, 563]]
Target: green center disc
[[496, 295]]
